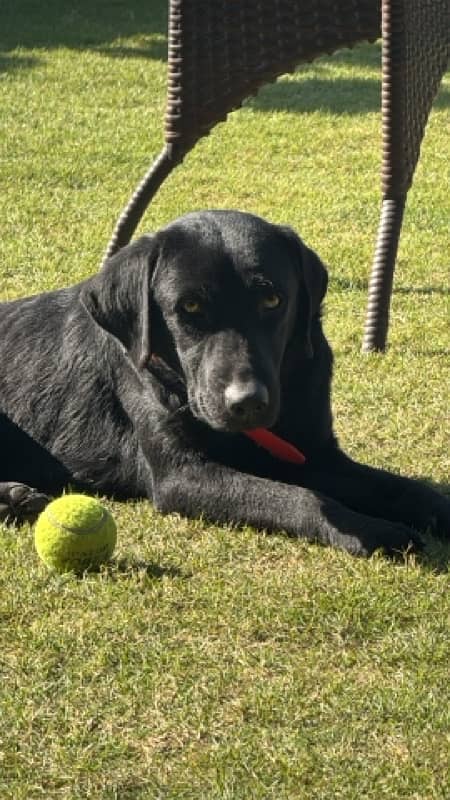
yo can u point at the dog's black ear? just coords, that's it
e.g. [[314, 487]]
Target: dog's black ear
[[313, 285], [118, 298]]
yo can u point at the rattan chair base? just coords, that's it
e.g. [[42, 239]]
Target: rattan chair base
[[221, 52]]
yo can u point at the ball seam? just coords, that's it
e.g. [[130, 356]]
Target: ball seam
[[72, 529]]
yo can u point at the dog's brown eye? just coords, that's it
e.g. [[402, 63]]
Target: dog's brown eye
[[270, 301], [192, 307]]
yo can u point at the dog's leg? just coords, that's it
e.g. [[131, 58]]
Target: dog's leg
[[20, 503], [380, 493], [27, 472], [22, 462], [223, 495]]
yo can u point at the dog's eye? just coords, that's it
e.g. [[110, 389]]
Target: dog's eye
[[270, 301], [192, 307]]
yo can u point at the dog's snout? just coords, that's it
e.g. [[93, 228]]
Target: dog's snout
[[246, 402]]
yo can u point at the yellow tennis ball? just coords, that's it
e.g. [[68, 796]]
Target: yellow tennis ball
[[75, 533]]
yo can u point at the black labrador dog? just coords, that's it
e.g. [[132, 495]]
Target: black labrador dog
[[193, 370]]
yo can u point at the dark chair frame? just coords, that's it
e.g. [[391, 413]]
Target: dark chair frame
[[222, 51]]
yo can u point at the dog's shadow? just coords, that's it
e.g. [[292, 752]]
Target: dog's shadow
[[436, 553], [435, 556], [137, 568]]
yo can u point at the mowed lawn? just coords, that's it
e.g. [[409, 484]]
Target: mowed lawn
[[207, 663]]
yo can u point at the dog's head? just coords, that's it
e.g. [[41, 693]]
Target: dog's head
[[222, 298]]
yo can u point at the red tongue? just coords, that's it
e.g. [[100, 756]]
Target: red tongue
[[276, 446]]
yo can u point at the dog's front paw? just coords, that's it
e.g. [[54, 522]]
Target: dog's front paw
[[362, 535], [20, 503], [425, 510], [392, 538]]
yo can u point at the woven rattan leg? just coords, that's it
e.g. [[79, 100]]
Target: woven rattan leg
[[381, 279], [131, 215]]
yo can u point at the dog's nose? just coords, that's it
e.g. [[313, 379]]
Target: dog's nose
[[246, 401]]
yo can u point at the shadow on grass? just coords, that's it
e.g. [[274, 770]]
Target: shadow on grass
[[89, 24], [99, 25], [12, 63], [323, 91], [332, 95], [351, 285], [436, 553], [327, 94], [85, 25], [128, 567], [435, 556]]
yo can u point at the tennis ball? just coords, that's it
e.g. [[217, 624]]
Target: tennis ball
[[75, 533]]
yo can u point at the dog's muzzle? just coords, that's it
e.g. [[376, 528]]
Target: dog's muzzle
[[247, 404]]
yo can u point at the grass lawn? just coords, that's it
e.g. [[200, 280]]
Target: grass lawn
[[207, 663]]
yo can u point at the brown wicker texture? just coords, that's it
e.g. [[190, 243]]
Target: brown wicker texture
[[416, 35], [221, 52]]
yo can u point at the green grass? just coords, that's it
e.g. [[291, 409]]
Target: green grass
[[207, 663]]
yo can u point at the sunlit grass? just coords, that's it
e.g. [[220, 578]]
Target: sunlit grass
[[204, 662]]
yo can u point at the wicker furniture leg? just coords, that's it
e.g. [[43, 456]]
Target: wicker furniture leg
[[382, 275], [415, 41], [135, 209]]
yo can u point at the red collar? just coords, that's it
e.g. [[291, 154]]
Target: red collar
[[276, 446]]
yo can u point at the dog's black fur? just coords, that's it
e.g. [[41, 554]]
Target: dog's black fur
[[140, 381]]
